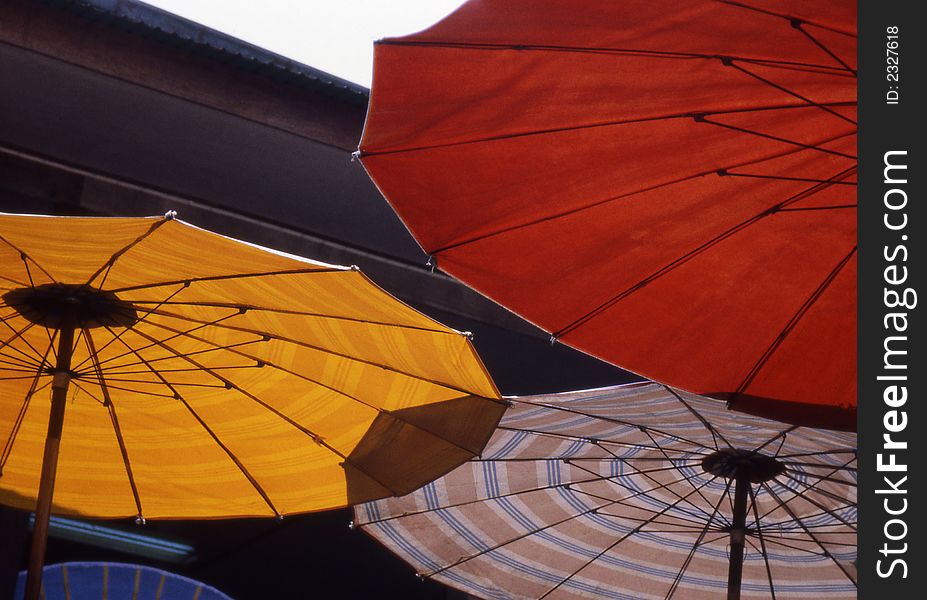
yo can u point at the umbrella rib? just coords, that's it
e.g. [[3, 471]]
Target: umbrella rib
[[110, 407], [33, 390], [781, 435], [715, 434], [688, 479], [695, 546], [599, 50], [597, 441], [784, 178], [802, 310], [177, 334], [776, 138], [800, 495], [614, 544], [506, 495], [832, 207], [660, 486], [782, 88], [241, 467], [695, 524], [698, 250], [596, 125], [815, 503], [20, 335], [780, 15], [810, 533], [20, 364], [25, 257], [284, 312], [140, 319], [618, 422], [521, 536], [819, 453], [217, 348], [624, 196], [822, 46], [314, 436], [190, 280], [333, 353], [108, 265], [822, 477], [759, 532]]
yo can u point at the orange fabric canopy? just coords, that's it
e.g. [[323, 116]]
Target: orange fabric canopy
[[667, 185]]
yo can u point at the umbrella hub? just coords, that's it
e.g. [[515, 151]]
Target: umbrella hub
[[736, 463], [88, 307]]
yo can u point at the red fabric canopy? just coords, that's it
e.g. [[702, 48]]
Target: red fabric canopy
[[669, 185]]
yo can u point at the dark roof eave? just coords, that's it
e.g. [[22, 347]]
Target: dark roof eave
[[152, 22]]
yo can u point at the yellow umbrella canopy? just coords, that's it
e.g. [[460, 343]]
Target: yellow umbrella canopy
[[212, 378]]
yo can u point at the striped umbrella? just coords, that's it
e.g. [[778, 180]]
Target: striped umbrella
[[118, 581], [635, 492]]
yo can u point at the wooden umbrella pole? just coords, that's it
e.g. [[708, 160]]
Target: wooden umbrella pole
[[50, 460], [738, 538]]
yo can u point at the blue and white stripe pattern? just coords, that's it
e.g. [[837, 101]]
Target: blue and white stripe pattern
[[601, 494]]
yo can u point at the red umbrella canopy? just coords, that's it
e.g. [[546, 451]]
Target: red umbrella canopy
[[669, 185]]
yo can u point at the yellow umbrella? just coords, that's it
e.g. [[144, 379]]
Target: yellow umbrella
[[198, 376]]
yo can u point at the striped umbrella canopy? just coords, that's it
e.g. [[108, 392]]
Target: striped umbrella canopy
[[153, 369], [679, 171], [635, 492], [117, 581]]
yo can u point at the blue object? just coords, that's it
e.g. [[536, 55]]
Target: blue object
[[117, 581]]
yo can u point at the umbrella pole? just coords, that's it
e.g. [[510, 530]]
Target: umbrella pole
[[738, 535], [50, 460]]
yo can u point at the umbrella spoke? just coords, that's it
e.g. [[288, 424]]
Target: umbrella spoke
[[733, 63], [190, 280], [823, 477], [688, 480], [759, 532], [111, 408], [241, 467], [815, 503], [599, 50], [178, 333], [548, 486], [800, 495], [660, 486], [664, 184], [779, 436], [268, 337], [701, 418], [598, 441], [314, 436], [614, 544], [681, 260], [802, 179], [802, 310], [798, 520], [17, 423], [776, 138], [26, 258], [108, 265], [698, 542], [634, 426], [124, 330], [281, 311], [819, 453], [819, 44], [20, 335], [783, 16]]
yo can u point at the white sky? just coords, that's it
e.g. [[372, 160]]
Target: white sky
[[335, 36]]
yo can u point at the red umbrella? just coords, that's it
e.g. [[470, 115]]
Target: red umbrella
[[668, 185]]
